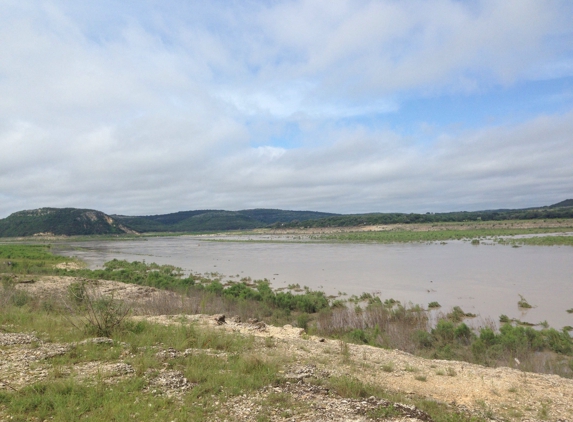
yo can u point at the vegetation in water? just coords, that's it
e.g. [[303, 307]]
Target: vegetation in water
[[540, 241], [523, 303], [439, 235]]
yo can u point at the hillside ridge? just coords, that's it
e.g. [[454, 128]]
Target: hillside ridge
[[76, 221]]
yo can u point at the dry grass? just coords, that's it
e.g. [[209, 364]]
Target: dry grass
[[396, 326]]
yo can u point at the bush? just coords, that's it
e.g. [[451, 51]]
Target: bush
[[423, 339], [463, 333], [487, 336], [358, 336], [20, 298], [77, 293], [99, 315], [444, 331], [302, 321]]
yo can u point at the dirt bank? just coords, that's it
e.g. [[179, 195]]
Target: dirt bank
[[502, 393]]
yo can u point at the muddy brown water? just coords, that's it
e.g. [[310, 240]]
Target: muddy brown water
[[486, 279]]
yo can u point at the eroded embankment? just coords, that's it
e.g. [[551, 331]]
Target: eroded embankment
[[26, 358]]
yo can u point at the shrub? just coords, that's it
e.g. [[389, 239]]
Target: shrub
[[487, 336], [358, 336], [20, 298], [423, 339], [77, 293], [444, 331], [302, 321], [463, 333], [99, 315]]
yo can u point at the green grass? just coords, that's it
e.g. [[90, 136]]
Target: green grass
[[542, 241], [62, 397], [401, 236], [28, 259]]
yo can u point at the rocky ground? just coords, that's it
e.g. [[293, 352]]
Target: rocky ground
[[496, 393]]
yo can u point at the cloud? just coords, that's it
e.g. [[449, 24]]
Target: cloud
[[158, 107]]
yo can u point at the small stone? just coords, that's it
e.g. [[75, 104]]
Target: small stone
[[219, 319]]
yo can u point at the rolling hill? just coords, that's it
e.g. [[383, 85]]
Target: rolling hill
[[215, 220], [60, 221], [73, 221]]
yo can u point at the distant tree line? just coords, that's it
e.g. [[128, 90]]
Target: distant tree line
[[400, 218]]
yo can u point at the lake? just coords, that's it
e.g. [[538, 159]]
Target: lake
[[486, 279]]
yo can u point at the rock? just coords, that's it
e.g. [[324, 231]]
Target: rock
[[97, 340], [219, 319], [8, 339]]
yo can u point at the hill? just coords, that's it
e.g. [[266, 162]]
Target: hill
[[73, 221], [60, 221], [566, 203], [215, 220]]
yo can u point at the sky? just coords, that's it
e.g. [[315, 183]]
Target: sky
[[142, 107]]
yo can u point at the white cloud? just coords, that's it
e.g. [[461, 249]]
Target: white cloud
[[139, 108]]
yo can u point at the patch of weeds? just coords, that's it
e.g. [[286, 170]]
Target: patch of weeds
[[283, 402], [70, 401], [504, 319], [409, 368], [48, 306], [440, 372], [346, 386], [20, 298], [270, 342], [486, 410], [457, 314], [422, 378], [278, 400], [350, 387], [345, 352], [434, 305], [451, 371], [512, 389], [570, 311], [77, 294], [388, 367], [98, 314], [523, 303], [302, 321], [383, 412], [515, 413], [543, 412]]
